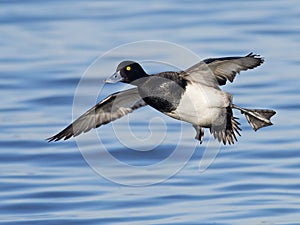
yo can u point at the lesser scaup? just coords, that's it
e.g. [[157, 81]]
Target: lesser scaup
[[192, 95]]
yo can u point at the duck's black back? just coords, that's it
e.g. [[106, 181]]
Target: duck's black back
[[163, 91]]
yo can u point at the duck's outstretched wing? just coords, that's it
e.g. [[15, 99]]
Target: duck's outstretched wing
[[111, 108], [226, 68], [216, 71]]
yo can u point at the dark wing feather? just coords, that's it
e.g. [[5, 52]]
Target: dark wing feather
[[111, 108], [226, 68]]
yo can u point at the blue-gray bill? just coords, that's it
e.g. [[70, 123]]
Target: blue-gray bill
[[116, 77]]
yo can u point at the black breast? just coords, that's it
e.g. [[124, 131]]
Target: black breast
[[163, 91]]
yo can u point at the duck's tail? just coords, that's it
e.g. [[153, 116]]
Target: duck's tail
[[257, 118]]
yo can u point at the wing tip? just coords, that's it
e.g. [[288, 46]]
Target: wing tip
[[61, 135], [57, 137], [52, 139], [256, 56]]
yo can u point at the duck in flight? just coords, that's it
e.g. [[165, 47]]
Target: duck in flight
[[193, 96]]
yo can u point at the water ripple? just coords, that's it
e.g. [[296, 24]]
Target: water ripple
[[47, 47]]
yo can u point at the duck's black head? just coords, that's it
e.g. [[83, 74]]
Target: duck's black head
[[127, 72]]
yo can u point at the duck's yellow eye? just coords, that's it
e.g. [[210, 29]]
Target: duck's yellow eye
[[128, 68]]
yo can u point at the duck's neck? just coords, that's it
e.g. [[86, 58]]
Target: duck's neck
[[140, 78]]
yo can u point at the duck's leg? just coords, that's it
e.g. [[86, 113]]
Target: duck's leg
[[257, 118], [199, 133]]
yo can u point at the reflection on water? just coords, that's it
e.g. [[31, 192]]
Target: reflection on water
[[47, 47]]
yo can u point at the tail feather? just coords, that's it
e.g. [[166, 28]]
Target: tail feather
[[257, 118]]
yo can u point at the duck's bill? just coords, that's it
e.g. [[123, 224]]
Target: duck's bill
[[116, 77]]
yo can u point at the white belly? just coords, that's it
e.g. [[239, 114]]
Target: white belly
[[202, 105]]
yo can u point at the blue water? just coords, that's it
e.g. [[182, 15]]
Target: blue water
[[47, 47]]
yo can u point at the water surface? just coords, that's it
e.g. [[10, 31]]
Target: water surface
[[46, 46]]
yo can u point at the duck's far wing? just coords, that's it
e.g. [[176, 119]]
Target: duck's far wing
[[216, 71], [111, 108], [226, 68], [200, 73]]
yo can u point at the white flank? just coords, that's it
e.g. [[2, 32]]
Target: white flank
[[202, 105]]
